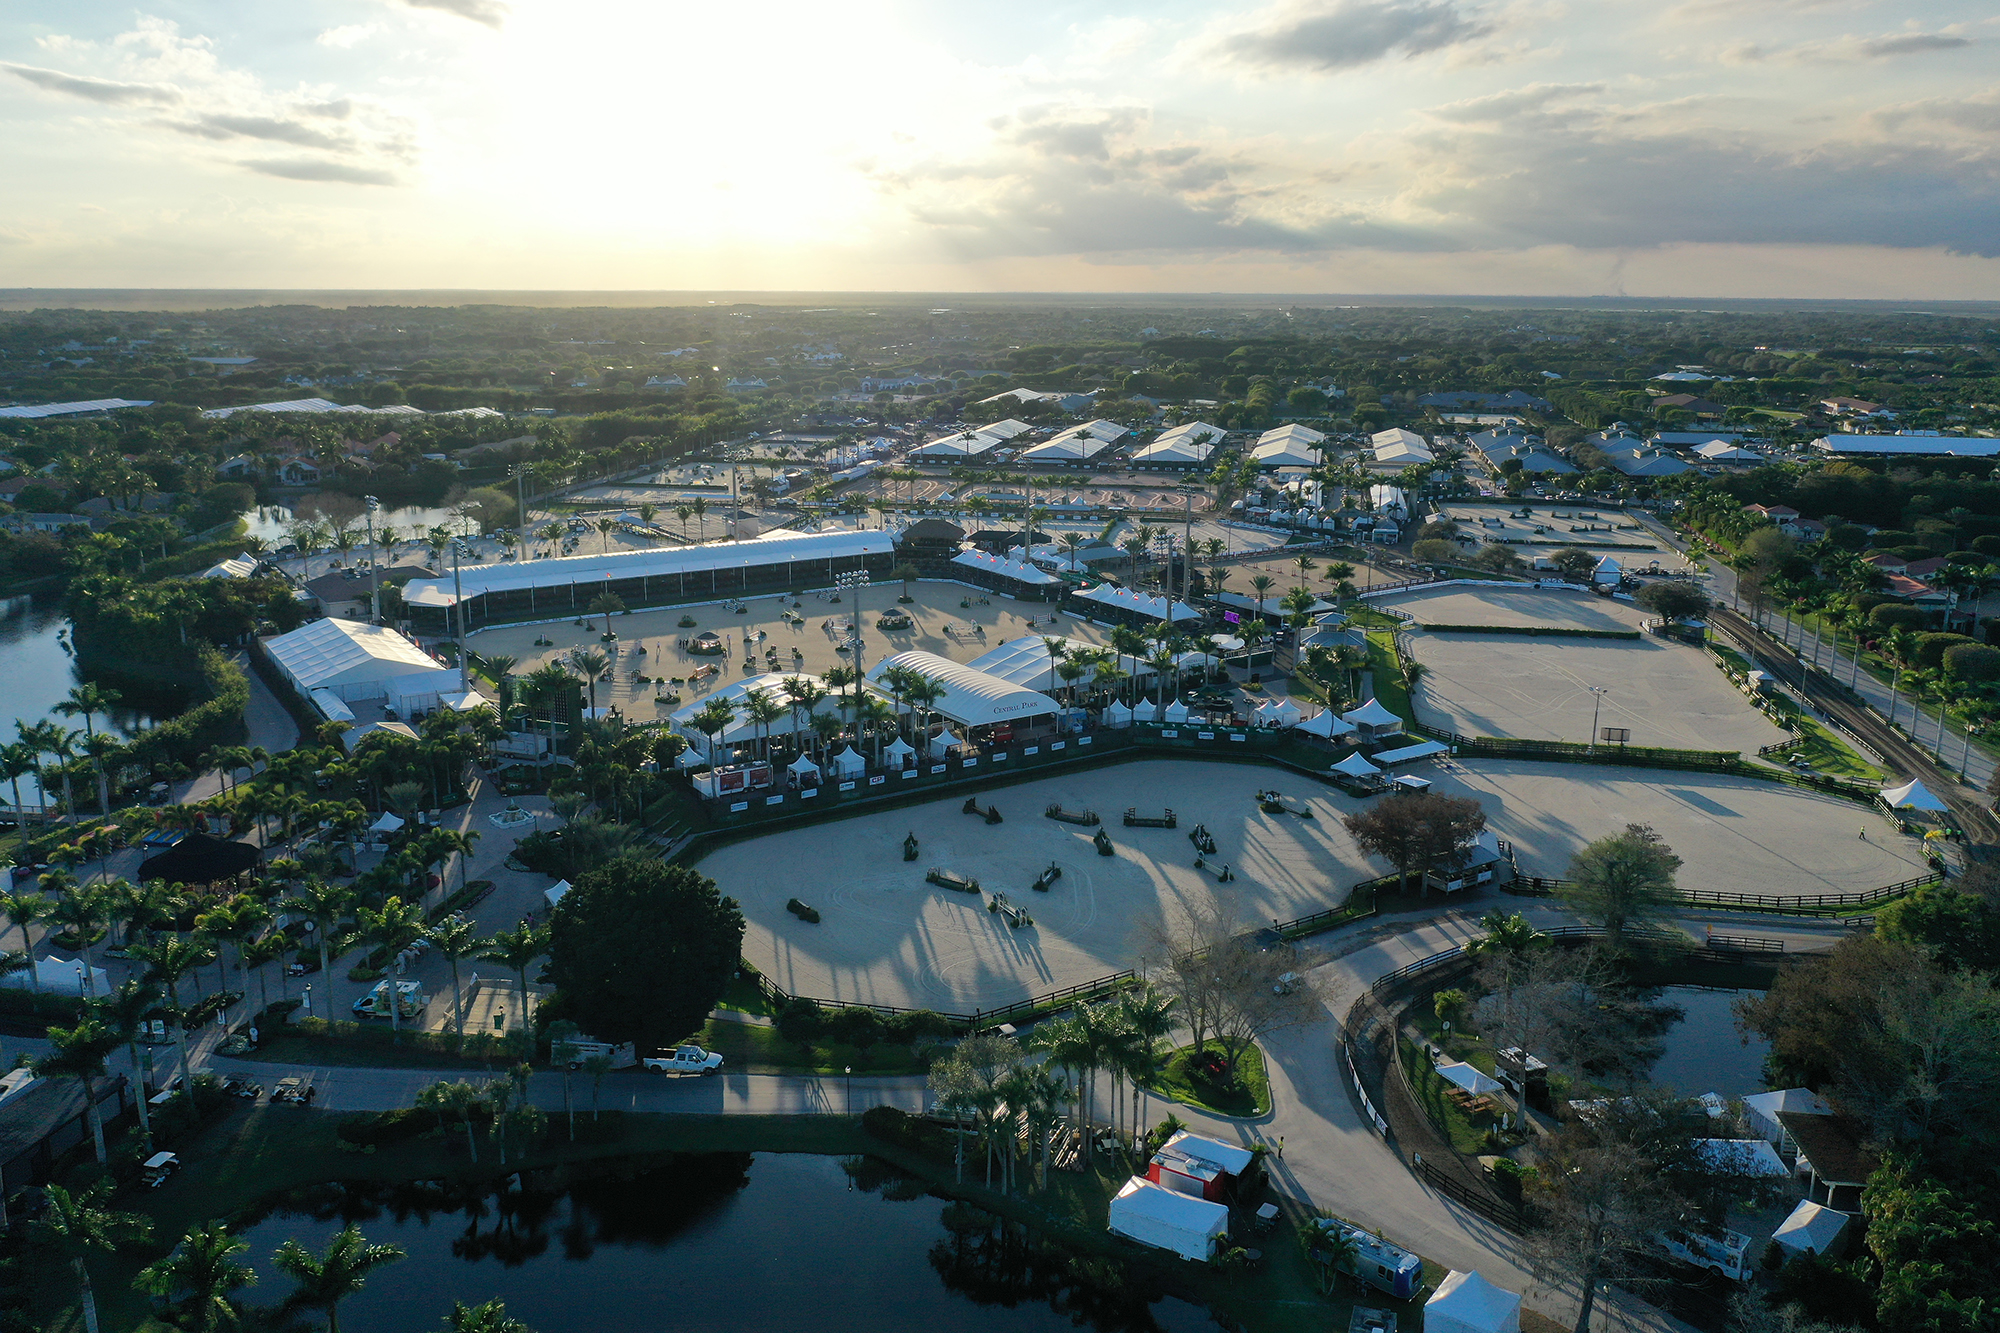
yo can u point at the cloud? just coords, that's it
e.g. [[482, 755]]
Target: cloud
[[1979, 113], [1323, 36], [271, 128], [319, 169], [108, 91], [489, 12], [1847, 50], [347, 35]]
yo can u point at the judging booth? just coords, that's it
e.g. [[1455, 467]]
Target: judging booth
[[1154, 1215]]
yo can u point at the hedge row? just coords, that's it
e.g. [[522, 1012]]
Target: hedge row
[[1534, 630]]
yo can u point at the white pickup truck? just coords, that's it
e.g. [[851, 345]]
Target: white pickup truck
[[684, 1060]]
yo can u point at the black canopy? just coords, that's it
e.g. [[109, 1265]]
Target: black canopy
[[199, 859]]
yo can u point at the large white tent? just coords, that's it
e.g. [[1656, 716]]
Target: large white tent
[[59, 976], [1181, 446], [1912, 795], [1468, 1303], [422, 691], [1811, 1229], [1372, 718], [1355, 765], [1288, 446], [1329, 724], [971, 697], [961, 444], [346, 658], [1144, 604], [1154, 1215], [1025, 661], [1467, 1078], [1398, 447], [1077, 443], [1018, 570]]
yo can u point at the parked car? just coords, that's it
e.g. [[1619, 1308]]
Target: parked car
[[294, 1089], [684, 1060], [1726, 1255], [238, 1086], [410, 1000]]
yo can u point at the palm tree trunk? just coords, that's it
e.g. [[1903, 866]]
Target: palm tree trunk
[[145, 1114], [28, 949], [88, 1291], [96, 1121]]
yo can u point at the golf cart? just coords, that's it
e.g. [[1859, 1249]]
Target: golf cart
[[294, 1089], [158, 1168]]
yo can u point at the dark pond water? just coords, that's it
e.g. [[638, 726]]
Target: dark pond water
[[37, 672], [722, 1241], [1704, 1052]]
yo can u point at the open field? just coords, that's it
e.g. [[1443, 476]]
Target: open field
[[889, 938], [1666, 693]]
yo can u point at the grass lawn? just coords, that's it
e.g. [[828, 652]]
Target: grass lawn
[[755, 1049], [1382, 660], [1830, 755], [1249, 1093], [744, 996], [1467, 1132], [1360, 613]]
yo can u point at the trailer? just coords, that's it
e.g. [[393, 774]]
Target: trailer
[[1177, 1223], [1389, 1269]]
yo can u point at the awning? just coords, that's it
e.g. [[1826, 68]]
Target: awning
[[1355, 765], [1912, 796], [1464, 1076]]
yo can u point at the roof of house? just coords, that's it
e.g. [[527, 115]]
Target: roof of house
[[1832, 1145]]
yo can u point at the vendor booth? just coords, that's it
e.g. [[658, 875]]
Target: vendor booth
[[1154, 1215]]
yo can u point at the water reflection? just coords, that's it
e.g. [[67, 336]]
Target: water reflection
[[1704, 1052], [718, 1240]]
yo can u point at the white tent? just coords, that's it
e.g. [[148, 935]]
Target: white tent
[[1355, 765], [1462, 1075], [59, 976], [944, 743], [349, 659], [1371, 714], [1762, 1108], [1176, 712], [1156, 1216], [769, 685], [1811, 1229], [421, 691], [1912, 796], [849, 763], [1741, 1157], [1181, 446], [1280, 713], [803, 767], [1150, 607], [1117, 715], [971, 697], [1607, 571], [898, 751], [1468, 1303], [553, 894], [467, 702], [351, 740], [1329, 724], [331, 707], [1145, 711], [386, 822]]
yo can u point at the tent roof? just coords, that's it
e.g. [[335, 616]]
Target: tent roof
[[1470, 1301], [1810, 1227], [1143, 603], [1912, 795], [1462, 1075], [351, 740], [1078, 442], [339, 652], [769, 685], [1421, 750], [1741, 1157], [387, 822], [899, 747], [1231, 1157], [561, 571], [199, 859], [803, 764], [1355, 765], [1371, 714], [1018, 570], [1326, 723], [1291, 433], [971, 696], [437, 680], [1184, 1212]]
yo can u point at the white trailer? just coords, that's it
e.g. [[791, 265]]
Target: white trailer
[[1156, 1216]]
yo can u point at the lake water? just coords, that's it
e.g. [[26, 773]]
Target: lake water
[[39, 670], [718, 1241], [270, 522], [1704, 1052]]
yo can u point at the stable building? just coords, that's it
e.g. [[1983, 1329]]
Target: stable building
[[1010, 578], [780, 562]]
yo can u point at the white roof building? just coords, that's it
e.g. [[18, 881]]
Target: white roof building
[[38, 411], [1018, 570], [348, 659], [972, 698], [1722, 451], [1397, 447], [1953, 446], [964, 444], [1025, 662], [1078, 443], [313, 405], [741, 727], [1289, 445], [1144, 604], [1181, 446]]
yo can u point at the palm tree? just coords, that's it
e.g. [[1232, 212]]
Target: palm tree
[[489, 1317], [167, 961], [81, 912], [76, 1224], [199, 1280], [326, 905], [517, 950], [605, 527], [24, 909], [122, 1012], [79, 1053], [270, 947], [17, 761], [59, 743], [456, 1098], [456, 938], [591, 665], [84, 701], [232, 922], [325, 1280], [1055, 647], [392, 928], [683, 513], [1262, 585], [1148, 1014], [712, 719]]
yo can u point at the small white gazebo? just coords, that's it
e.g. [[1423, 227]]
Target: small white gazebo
[[803, 770], [1356, 765], [944, 743], [1280, 713], [1176, 712], [1117, 715], [849, 763], [898, 753], [1912, 795]]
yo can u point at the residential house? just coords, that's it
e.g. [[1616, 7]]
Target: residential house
[[1853, 407], [297, 471], [242, 465], [1782, 515], [43, 522], [1689, 403]]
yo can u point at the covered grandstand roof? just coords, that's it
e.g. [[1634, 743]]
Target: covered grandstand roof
[[348, 658], [1145, 604], [972, 697], [775, 548], [1018, 570]]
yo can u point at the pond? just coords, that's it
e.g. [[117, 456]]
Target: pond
[[39, 666], [1704, 1052], [722, 1241], [270, 521]]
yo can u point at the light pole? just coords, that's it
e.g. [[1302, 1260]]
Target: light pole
[[458, 609], [853, 582], [374, 563], [850, 1088], [309, 1000], [1597, 693]]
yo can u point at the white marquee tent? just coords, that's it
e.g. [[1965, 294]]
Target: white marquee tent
[[972, 697], [1078, 443], [1154, 1215], [1181, 446], [1468, 1079], [769, 685], [1468, 1303], [898, 753], [1811, 1229], [347, 659], [849, 763], [1912, 795], [1153, 608], [1355, 765]]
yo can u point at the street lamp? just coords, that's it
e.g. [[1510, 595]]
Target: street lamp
[[374, 563], [458, 609], [850, 1088], [853, 582], [309, 1000], [1597, 701]]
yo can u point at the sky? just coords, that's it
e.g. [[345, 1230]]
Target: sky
[[1752, 148]]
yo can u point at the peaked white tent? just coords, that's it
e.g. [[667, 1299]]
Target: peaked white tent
[[1329, 724], [1468, 1303], [1607, 571], [387, 822], [849, 763], [346, 658], [1176, 712], [1811, 1229], [1181, 446], [1372, 718], [554, 893], [1280, 713], [1355, 765], [1117, 715], [1462, 1075], [898, 752], [944, 743], [1160, 1217], [803, 767], [1912, 795]]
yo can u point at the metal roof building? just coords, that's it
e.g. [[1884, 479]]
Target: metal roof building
[[348, 659], [38, 411]]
